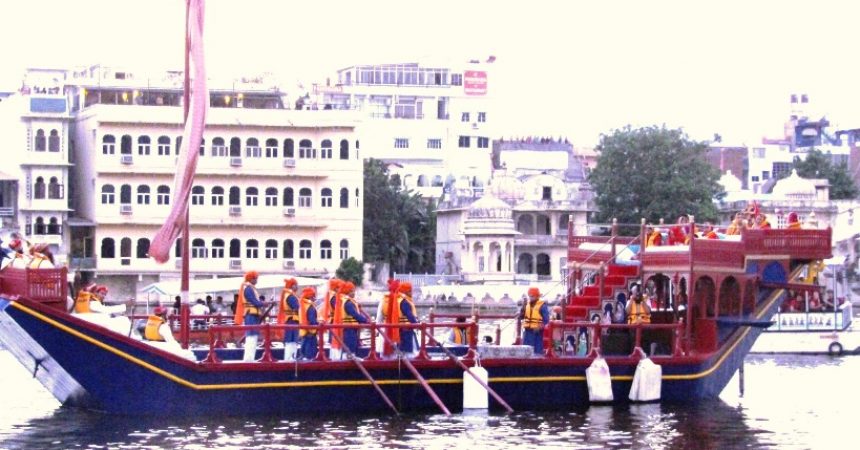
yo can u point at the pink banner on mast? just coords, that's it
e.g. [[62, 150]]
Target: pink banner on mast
[[188, 153]]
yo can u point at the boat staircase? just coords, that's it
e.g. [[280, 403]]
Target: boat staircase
[[617, 279]]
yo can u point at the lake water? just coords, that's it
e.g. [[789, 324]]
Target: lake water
[[790, 402]]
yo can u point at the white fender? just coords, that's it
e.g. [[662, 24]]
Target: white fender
[[599, 381]]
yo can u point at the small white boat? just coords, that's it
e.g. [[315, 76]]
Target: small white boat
[[807, 332]]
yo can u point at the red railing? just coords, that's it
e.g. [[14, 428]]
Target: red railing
[[803, 244], [477, 319], [595, 331], [47, 286]]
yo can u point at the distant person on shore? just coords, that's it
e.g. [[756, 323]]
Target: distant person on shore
[[219, 307], [535, 316], [249, 310], [288, 314], [199, 308], [177, 304], [459, 335]]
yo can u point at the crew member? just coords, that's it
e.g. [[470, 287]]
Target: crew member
[[406, 313], [535, 316], [351, 314], [326, 311], [92, 300], [459, 335], [288, 313], [638, 310], [249, 311], [335, 315], [157, 328], [793, 221], [308, 316]]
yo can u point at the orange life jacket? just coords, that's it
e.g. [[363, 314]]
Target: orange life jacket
[[338, 318], [394, 333], [638, 313], [304, 305], [242, 308], [532, 318], [346, 317], [285, 312], [82, 302]]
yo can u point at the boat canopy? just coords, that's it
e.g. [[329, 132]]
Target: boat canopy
[[226, 286]]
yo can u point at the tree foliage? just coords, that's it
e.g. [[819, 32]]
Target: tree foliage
[[399, 226], [351, 269], [818, 165], [653, 173]]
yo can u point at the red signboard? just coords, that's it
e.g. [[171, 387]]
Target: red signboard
[[475, 82]]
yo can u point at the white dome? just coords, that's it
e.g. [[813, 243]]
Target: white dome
[[794, 187], [730, 182], [490, 207], [507, 187]]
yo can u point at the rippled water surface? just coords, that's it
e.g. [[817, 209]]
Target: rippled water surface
[[790, 402]]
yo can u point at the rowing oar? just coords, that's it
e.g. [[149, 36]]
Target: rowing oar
[[466, 368], [365, 372], [415, 372]]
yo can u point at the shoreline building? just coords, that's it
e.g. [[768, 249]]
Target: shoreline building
[[34, 194], [276, 190], [430, 121]]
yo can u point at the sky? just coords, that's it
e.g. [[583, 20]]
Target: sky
[[563, 68]]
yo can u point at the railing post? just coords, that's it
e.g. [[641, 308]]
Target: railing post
[[371, 355], [320, 343], [473, 342], [267, 344], [550, 349], [422, 353], [597, 330], [601, 285], [519, 339], [613, 234], [212, 358], [184, 317], [637, 344]]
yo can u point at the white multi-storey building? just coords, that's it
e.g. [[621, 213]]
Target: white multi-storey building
[[33, 196], [276, 190], [430, 122]]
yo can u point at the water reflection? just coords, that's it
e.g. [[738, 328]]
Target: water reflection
[[796, 402]]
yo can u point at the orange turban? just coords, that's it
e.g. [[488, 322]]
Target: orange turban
[[290, 282], [347, 287], [250, 275], [308, 292], [334, 283], [101, 289], [534, 292], [405, 287]]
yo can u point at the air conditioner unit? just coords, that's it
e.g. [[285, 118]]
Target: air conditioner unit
[[289, 264], [236, 162], [126, 159], [290, 212], [125, 209], [235, 210], [179, 263], [289, 162], [235, 263], [125, 261]]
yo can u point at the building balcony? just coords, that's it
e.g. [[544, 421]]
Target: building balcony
[[228, 166], [541, 240], [7, 211], [56, 239]]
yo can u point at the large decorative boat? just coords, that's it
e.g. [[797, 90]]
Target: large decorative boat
[[713, 297]]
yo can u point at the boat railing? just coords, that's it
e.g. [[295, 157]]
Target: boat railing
[[596, 332], [268, 331], [476, 317]]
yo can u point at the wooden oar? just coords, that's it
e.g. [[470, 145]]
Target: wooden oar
[[417, 375], [484, 385], [365, 372]]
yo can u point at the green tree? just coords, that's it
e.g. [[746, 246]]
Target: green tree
[[653, 173], [351, 269], [818, 165], [399, 226]]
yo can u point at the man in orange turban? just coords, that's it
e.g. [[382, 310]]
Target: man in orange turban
[[407, 314], [308, 316], [535, 316], [288, 313], [350, 314], [249, 311]]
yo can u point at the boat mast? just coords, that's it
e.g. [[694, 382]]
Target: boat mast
[[186, 99]]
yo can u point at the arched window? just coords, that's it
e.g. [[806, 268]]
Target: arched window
[[288, 249], [40, 140], [305, 249], [125, 194], [271, 148], [177, 248], [219, 149], [125, 248], [143, 194], [53, 226], [422, 181], [235, 248], [108, 194], [143, 248], [325, 197], [217, 248], [235, 147], [108, 144], [143, 145], [344, 149], [55, 189], [163, 146], [252, 249], [344, 198], [125, 145], [288, 197], [197, 193], [251, 196], [306, 150], [108, 250], [325, 249], [325, 149], [271, 196], [344, 249], [217, 196], [39, 226], [271, 249], [39, 188], [289, 149], [305, 198], [198, 248], [54, 141], [252, 148], [235, 195], [163, 195]]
